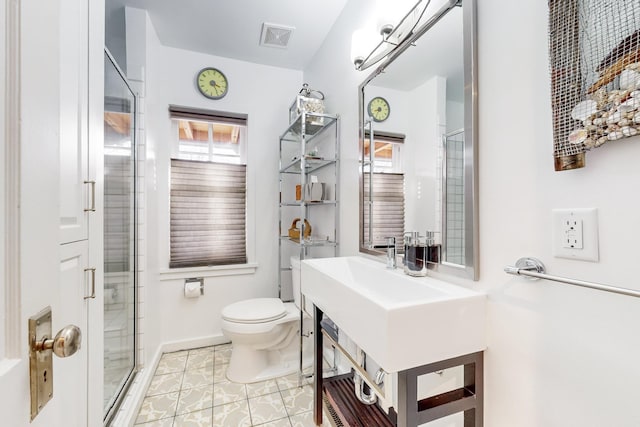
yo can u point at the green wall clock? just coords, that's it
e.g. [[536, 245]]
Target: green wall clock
[[379, 109], [212, 83]]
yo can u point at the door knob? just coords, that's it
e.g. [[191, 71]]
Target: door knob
[[66, 342]]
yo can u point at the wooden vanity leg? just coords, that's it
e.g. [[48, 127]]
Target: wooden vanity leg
[[317, 366]]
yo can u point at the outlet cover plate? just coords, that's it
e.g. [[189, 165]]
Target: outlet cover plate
[[587, 218]]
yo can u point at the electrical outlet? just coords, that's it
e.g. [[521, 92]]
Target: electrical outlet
[[572, 230], [575, 234]]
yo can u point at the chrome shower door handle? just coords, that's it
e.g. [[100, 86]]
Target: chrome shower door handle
[[92, 208], [93, 283]]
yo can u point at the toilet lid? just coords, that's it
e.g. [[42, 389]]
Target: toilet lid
[[256, 310]]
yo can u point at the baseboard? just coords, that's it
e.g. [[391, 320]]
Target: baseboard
[[190, 343], [128, 412]]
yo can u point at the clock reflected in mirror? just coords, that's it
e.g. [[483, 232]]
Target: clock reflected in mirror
[[212, 83], [379, 109]]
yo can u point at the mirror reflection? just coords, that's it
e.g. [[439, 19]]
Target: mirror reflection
[[416, 132]]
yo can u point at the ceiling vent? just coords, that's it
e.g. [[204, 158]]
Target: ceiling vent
[[274, 35]]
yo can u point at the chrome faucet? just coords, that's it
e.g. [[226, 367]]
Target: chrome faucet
[[391, 252]]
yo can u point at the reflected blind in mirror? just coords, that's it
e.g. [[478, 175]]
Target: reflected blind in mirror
[[388, 209]]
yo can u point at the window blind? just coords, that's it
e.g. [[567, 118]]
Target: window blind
[[188, 113], [388, 208], [208, 211]]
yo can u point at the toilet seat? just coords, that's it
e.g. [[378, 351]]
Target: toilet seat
[[257, 310]]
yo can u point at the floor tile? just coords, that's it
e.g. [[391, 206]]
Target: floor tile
[[201, 350], [202, 418], [220, 372], [171, 364], [190, 388], [234, 414], [222, 355], [291, 381], [166, 383], [298, 400], [261, 388], [305, 419], [282, 422], [195, 399], [267, 408], [200, 360], [179, 353], [197, 378], [227, 392], [158, 407], [165, 422]]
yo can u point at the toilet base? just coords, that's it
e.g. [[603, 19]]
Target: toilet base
[[248, 365]]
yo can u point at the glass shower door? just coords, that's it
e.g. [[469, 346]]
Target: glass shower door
[[120, 249]]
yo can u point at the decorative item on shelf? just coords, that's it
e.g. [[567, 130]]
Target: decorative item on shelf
[[309, 101], [315, 192], [594, 100], [294, 231], [298, 192]]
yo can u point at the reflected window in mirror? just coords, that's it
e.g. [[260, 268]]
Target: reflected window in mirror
[[385, 218]]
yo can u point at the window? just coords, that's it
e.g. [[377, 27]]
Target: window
[[208, 188], [387, 213]]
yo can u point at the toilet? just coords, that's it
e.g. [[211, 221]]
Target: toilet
[[265, 336]]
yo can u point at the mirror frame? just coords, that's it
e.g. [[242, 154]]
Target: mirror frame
[[470, 269]]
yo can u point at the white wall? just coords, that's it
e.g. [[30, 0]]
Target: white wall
[[262, 92], [557, 355]]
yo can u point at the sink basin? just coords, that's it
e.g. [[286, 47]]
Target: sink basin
[[401, 322]]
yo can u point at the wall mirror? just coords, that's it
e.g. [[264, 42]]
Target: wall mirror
[[418, 165]]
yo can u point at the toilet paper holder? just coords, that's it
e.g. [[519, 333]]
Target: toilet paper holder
[[193, 287]]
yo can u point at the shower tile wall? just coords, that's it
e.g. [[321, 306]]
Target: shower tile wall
[[455, 199], [138, 87]]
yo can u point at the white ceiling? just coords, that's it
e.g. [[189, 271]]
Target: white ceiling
[[232, 28]]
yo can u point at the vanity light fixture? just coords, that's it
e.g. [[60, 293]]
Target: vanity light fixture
[[389, 35]]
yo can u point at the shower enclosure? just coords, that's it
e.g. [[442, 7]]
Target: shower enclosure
[[120, 236], [453, 230]]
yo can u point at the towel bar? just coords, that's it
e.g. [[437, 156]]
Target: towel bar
[[534, 269]]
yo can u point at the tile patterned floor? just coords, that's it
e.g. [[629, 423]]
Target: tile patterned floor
[[189, 388]]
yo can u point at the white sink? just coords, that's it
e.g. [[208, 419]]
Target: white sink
[[400, 321]]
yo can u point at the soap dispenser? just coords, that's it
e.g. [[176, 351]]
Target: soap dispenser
[[415, 255], [433, 249]]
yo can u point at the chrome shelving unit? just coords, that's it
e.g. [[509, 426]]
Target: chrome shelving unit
[[309, 145]]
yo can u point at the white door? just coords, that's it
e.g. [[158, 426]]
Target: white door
[[41, 272]]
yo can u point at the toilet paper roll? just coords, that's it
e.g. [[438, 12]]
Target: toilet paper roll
[[192, 289]]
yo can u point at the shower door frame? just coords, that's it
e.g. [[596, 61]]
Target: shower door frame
[[113, 410]]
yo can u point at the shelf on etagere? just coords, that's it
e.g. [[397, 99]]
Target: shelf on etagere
[[309, 203], [317, 242], [314, 123], [311, 164]]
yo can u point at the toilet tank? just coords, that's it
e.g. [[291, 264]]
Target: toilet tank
[[295, 279]]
